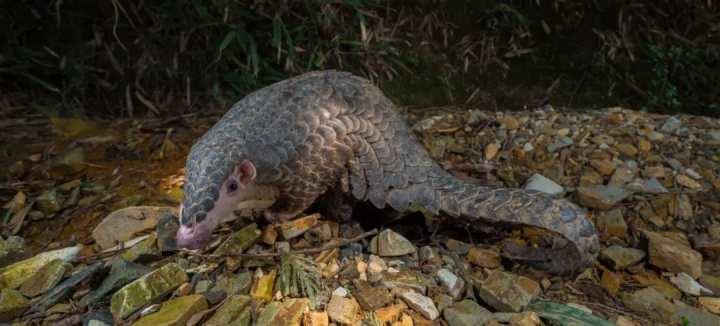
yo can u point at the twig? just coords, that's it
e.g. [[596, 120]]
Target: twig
[[328, 246]]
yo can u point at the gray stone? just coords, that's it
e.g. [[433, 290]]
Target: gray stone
[[451, 282], [687, 315], [507, 292], [466, 313], [420, 303], [560, 144], [601, 197], [541, 183], [672, 255], [619, 257], [166, 229], [671, 124], [390, 244], [122, 225], [650, 301], [649, 186], [101, 317], [63, 290]]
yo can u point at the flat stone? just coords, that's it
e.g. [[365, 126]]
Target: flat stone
[[391, 244], [371, 298], [49, 202], [688, 315], [671, 124], [429, 255], [650, 186], [390, 313], [688, 182], [45, 278], [689, 285], [481, 257], [232, 284], [528, 318], [603, 166], [12, 304], [540, 183], [619, 258], [343, 310], [124, 224], [622, 176], [376, 267], [175, 312], [121, 273], [316, 318], [145, 250], [451, 282], [100, 317], [289, 312], [507, 292], [234, 311], [407, 279], [560, 144], [612, 223], [17, 273], [420, 303], [145, 290], [12, 249], [262, 289], [298, 226], [627, 149], [711, 304], [458, 247], [601, 197], [466, 313], [673, 256], [611, 282], [509, 122], [239, 241], [650, 301]]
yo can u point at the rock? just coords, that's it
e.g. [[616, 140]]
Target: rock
[[481, 257], [443, 301], [458, 247], [45, 278], [650, 301], [288, 313], [612, 223], [233, 284], [711, 304], [371, 298], [262, 289], [528, 318], [590, 178], [627, 150], [49, 202], [560, 144], [625, 321], [376, 267], [316, 318], [420, 303], [175, 312], [510, 122], [145, 250], [146, 289], [341, 292], [491, 151], [121, 273], [619, 258], [390, 244], [687, 182], [644, 146], [203, 286], [389, 314], [611, 282], [671, 124], [689, 285], [407, 279], [12, 249], [343, 310], [466, 313], [124, 224], [451, 282], [507, 292], [298, 226], [16, 274], [603, 166], [269, 235], [166, 230], [234, 311], [687, 315], [63, 290], [429, 255], [12, 304], [565, 314], [239, 241], [622, 176], [540, 183], [601, 197], [650, 186], [673, 256], [70, 162], [101, 317]]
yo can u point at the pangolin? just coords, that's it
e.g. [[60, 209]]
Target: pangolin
[[321, 131]]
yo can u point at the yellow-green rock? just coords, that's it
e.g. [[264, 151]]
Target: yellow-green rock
[[12, 304], [146, 289], [262, 289], [175, 312], [288, 313], [240, 240], [235, 311], [16, 274], [45, 279], [145, 248]]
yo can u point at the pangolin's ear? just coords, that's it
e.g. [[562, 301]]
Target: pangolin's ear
[[245, 172]]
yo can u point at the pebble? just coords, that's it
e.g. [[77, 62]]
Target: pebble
[[391, 244], [466, 313], [540, 183], [451, 282], [619, 257], [420, 303], [673, 256]]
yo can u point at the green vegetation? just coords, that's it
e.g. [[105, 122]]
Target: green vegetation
[[125, 58]]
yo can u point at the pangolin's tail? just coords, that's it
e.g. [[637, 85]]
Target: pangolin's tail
[[392, 168]]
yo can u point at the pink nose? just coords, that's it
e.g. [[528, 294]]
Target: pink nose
[[190, 238]]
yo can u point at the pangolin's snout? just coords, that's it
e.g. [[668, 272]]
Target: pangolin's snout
[[192, 237]]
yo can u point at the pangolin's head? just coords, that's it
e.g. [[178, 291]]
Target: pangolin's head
[[215, 184]]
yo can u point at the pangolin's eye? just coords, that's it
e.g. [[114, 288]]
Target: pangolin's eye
[[232, 186]]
